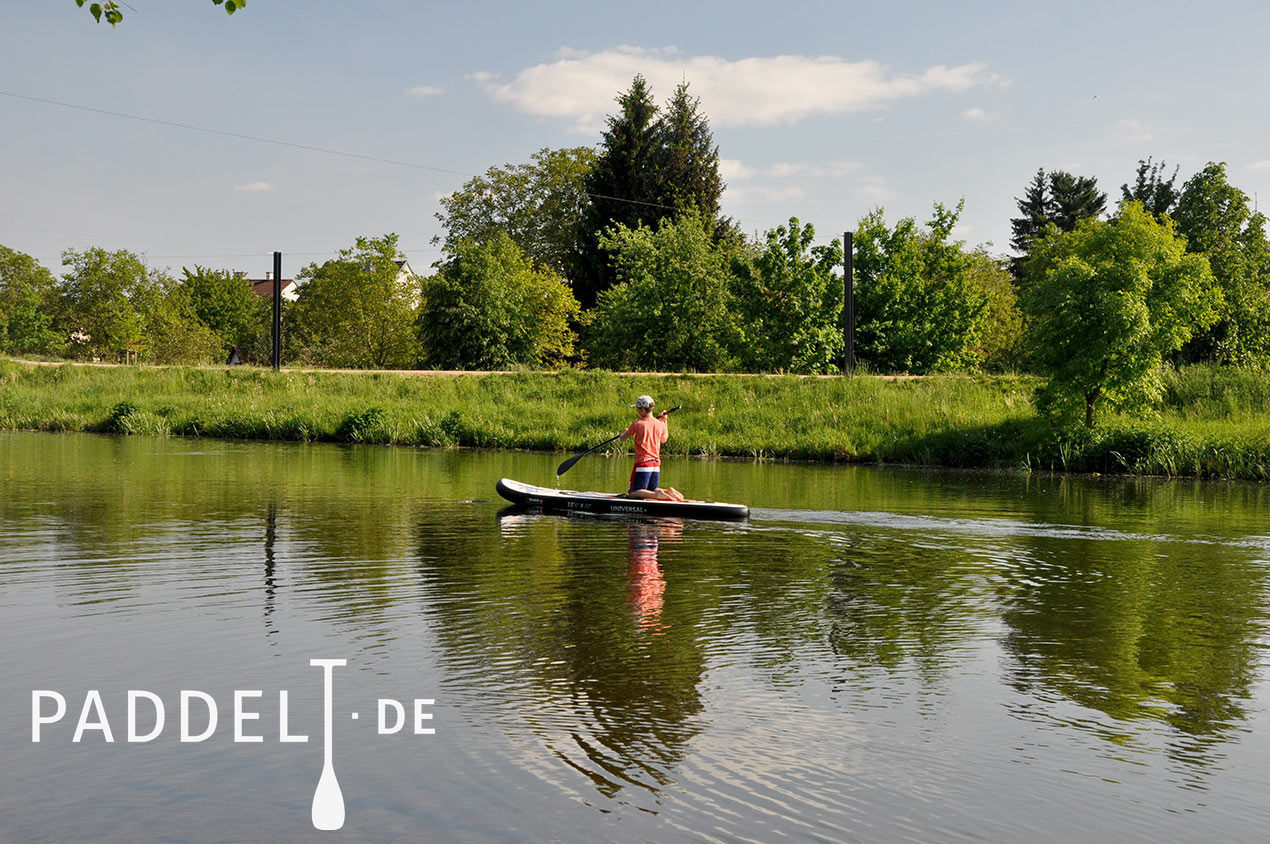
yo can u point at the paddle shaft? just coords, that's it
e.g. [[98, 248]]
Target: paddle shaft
[[568, 464]]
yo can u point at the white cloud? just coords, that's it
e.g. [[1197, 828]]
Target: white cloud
[[425, 90], [1134, 131], [874, 189], [254, 187], [1260, 166], [761, 91], [975, 113], [731, 168], [807, 170]]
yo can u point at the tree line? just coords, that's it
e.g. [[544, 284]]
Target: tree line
[[619, 257]]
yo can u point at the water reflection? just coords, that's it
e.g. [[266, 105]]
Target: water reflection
[[613, 700], [646, 595], [1138, 631], [271, 536], [1112, 629]]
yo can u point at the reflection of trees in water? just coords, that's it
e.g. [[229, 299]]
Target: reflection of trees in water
[[1164, 631], [891, 603], [541, 614]]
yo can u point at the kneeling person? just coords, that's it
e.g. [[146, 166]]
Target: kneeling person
[[649, 432]]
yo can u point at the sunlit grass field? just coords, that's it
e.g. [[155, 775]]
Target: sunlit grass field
[[1211, 423]]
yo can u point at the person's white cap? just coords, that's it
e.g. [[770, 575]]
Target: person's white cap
[[644, 401]]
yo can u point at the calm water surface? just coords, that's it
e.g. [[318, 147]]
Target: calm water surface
[[879, 655]]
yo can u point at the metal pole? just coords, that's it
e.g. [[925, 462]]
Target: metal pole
[[848, 305], [277, 311]]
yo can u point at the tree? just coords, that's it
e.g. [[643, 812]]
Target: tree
[[1075, 198], [172, 332], [916, 308], [113, 14], [1000, 344], [619, 187], [539, 205], [672, 308], [354, 311], [1218, 221], [225, 302], [790, 301], [1036, 208], [1149, 188], [649, 167], [1111, 299], [1057, 198], [27, 301], [489, 307], [686, 160], [98, 311]]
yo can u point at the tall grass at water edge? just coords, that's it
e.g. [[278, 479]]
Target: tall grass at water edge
[[1212, 423]]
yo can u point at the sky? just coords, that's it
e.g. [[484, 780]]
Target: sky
[[195, 138]]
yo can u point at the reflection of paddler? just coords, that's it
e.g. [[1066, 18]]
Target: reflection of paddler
[[646, 585]]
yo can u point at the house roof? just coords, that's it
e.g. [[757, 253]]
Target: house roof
[[264, 288]]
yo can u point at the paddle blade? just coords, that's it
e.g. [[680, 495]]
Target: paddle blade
[[568, 464]]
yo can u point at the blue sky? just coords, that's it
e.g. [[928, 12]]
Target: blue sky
[[821, 111]]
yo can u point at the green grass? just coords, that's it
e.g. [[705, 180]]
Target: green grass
[[1212, 423]]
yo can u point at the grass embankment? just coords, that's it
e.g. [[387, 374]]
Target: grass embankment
[[1212, 423]]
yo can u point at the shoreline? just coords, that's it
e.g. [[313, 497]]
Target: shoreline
[[957, 421]]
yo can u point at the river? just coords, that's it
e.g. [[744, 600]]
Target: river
[[878, 655]]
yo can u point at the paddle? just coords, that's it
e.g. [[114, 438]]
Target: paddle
[[568, 464]]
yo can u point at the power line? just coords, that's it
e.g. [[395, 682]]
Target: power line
[[306, 147]]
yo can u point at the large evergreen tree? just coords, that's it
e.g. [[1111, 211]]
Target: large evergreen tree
[[1057, 198], [1075, 198], [1036, 210], [653, 163], [686, 160], [620, 187]]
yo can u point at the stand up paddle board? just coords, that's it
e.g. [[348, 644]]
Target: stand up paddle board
[[572, 501]]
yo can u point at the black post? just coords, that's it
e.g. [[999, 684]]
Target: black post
[[848, 305], [277, 311]]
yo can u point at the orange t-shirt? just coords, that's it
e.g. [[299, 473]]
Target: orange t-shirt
[[649, 433]]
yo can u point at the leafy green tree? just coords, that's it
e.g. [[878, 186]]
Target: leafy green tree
[[112, 14], [917, 309], [673, 307], [1218, 221], [172, 332], [1000, 346], [539, 205], [489, 307], [354, 311], [1156, 195], [225, 302], [1112, 298], [98, 310], [790, 301], [27, 302]]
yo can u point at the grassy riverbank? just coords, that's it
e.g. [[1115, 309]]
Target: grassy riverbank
[[1213, 423]]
